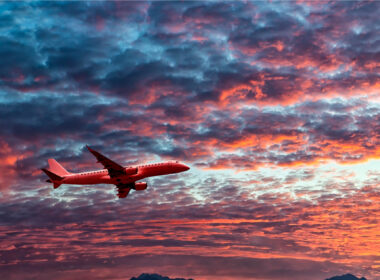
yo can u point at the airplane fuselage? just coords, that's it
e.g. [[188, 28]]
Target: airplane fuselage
[[123, 177], [142, 171]]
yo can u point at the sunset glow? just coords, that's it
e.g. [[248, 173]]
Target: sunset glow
[[275, 106]]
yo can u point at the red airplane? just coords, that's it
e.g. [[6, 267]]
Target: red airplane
[[123, 177]]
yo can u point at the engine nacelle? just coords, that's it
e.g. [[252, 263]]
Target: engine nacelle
[[131, 170], [141, 186]]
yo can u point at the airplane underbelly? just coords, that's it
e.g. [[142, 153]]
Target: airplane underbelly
[[128, 179], [88, 180]]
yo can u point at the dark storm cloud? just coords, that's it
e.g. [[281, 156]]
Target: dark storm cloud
[[86, 60], [264, 30], [73, 55], [56, 56], [45, 116], [131, 82]]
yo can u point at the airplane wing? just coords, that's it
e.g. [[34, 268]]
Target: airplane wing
[[122, 190], [114, 169]]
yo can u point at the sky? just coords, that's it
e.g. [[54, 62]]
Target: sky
[[275, 106]]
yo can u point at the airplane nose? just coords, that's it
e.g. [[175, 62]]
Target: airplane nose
[[185, 167]]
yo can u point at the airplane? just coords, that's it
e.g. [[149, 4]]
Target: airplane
[[124, 177]]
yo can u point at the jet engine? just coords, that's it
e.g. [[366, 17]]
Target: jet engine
[[141, 186], [131, 170]]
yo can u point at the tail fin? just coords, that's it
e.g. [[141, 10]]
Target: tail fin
[[54, 178], [56, 168]]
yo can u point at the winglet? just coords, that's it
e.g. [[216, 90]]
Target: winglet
[[92, 151], [95, 153]]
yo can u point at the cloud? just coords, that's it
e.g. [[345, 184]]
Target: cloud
[[276, 110], [276, 231]]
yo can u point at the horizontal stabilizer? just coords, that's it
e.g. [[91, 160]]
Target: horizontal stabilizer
[[52, 176]]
